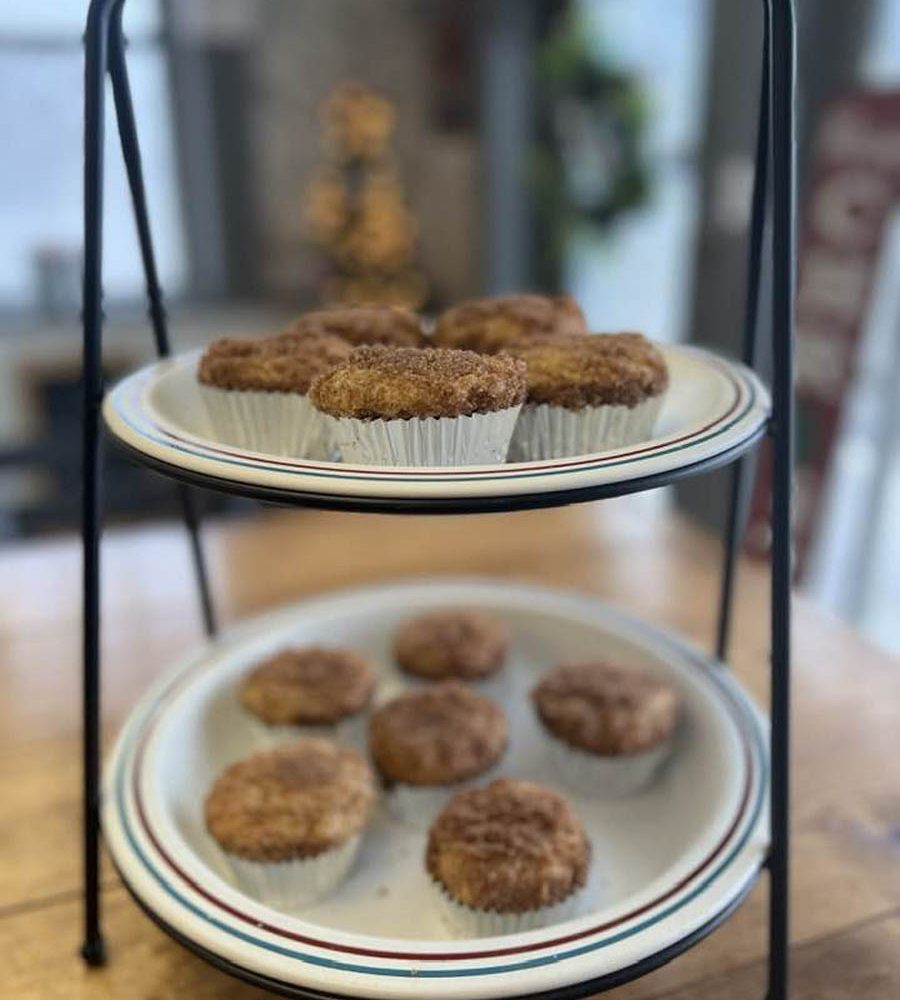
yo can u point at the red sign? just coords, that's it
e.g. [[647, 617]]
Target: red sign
[[854, 187]]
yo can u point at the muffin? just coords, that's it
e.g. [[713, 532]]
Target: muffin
[[288, 822], [492, 325], [324, 689], [409, 407], [608, 728], [255, 392], [507, 857], [460, 643], [425, 744], [358, 325], [588, 394]]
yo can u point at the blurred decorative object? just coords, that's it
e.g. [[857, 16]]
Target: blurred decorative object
[[355, 209], [854, 190], [57, 278], [590, 166]]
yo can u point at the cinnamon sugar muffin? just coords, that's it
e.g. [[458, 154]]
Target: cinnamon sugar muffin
[[494, 324], [507, 857], [288, 821], [405, 406], [609, 728], [460, 643], [392, 326], [310, 686], [425, 743], [587, 394], [254, 391]]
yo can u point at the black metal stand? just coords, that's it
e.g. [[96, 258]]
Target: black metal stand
[[775, 155]]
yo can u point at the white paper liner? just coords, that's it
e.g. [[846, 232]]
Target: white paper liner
[[275, 423], [419, 805], [349, 732], [465, 922], [545, 431], [287, 885], [605, 777], [498, 686], [479, 439]]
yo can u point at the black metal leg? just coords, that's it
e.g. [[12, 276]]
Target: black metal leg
[[741, 480], [783, 43], [92, 949], [131, 154]]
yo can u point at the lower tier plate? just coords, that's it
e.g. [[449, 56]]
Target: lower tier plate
[[668, 864]]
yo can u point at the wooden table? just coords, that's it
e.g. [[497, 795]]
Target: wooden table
[[846, 922]]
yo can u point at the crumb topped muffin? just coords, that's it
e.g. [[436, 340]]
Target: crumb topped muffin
[[389, 325], [270, 364], [288, 822], [588, 394], [254, 392], [460, 643], [312, 685], [292, 802], [493, 324], [610, 727], [606, 709], [612, 369], [438, 735], [504, 857], [383, 383], [411, 407]]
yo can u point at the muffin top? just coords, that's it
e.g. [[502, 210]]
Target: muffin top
[[282, 363], [437, 736], [451, 642], [606, 709], [311, 685], [389, 325], [509, 847], [399, 383], [491, 325], [292, 802], [620, 369]]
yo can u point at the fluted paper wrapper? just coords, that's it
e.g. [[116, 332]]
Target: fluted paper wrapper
[[287, 885], [466, 922], [350, 731], [419, 805], [479, 439], [274, 423], [605, 777], [545, 431]]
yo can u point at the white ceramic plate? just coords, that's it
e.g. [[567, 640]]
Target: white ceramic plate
[[665, 862], [712, 407]]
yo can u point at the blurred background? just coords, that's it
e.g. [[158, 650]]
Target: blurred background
[[603, 147]]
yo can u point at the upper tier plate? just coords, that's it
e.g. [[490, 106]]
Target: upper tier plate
[[714, 409]]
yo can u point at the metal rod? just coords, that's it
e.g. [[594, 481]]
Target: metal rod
[[783, 173], [131, 154], [739, 485], [93, 950]]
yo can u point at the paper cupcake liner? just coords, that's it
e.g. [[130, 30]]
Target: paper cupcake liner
[[497, 686], [605, 777], [349, 732], [287, 885], [479, 439], [545, 431], [466, 922], [419, 805], [275, 423]]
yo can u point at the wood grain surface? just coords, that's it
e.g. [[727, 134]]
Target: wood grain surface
[[846, 850]]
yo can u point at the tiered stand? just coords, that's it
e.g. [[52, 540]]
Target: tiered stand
[[773, 197]]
